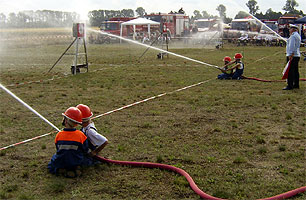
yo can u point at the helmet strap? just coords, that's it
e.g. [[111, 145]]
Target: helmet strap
[[63, 122]]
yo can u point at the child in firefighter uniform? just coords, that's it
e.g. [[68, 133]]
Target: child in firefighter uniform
[[238, 67], [71, 145], [96, 142], [226, 74]]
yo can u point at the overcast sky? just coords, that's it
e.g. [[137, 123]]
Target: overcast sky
[[83, 6]]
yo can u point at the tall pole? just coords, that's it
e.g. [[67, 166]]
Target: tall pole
[[76, 55], [62, 55]]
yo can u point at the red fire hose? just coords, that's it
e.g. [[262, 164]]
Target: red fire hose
[[257, 79], [192, 184]]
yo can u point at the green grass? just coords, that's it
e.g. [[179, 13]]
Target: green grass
[[237, 139]]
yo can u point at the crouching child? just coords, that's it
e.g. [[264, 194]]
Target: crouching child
[[96, 141], [227, 74], [71, 145]]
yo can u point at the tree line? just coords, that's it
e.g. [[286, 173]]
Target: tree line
[[38, 19], [289, 8], [49, 18]]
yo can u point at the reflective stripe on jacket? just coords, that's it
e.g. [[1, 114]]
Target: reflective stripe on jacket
[[71, 145]]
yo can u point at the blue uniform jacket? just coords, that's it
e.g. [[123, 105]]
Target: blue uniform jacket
[[71, 145]]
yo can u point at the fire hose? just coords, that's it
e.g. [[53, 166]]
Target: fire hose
[[263, 80], [192, 184]]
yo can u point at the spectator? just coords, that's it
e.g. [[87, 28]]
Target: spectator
[[293, 55]]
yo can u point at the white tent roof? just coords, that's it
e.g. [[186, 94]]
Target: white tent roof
[[140, 21]]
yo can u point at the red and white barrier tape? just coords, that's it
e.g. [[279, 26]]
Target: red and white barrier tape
[[112, 111], [66, 75], [151, 98], [260, 59], [27, 140], [46, 80], [38, 81], [36, 38]]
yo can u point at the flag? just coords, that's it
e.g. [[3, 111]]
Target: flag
[[286, 70]]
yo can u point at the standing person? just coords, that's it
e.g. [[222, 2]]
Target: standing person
[[286, 31], [97, 142], [70, 146], [293, 55], [238, 67], [226, 74]]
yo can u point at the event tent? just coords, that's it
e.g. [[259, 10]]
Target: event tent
[[139, 21]]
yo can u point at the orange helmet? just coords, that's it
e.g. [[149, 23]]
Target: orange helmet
[[74, 114], [227, 58], [85, 110], [238, 56]]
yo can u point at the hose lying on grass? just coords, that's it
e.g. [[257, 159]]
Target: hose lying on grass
[[257, 79], [192, 184]]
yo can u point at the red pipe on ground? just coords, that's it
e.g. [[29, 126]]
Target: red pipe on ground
[[257, 79], [192, 184]]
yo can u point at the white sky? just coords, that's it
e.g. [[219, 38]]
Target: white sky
[[83, 6]]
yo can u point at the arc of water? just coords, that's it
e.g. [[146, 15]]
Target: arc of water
[[152, 47], [27, 106]]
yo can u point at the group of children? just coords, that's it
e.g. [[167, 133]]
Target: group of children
[[234, 72], [76, 148]]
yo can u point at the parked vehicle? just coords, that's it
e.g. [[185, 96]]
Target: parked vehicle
[[246, 24], [284, 21], [175, 24], [113, 26], [203, 25]]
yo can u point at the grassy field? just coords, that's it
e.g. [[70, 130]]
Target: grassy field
[[239, 140]]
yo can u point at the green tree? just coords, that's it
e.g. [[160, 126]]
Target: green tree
[[127, 13], [197, 14], [241, 15], [252, 5], [270, 14], [260, 15], [140, 11], [2, 20], [205, 14], [221, 9], [12, 19], [290, 6], [96, 17]]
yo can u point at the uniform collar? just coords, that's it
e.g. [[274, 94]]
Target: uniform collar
[[91, 124], [69, 129]]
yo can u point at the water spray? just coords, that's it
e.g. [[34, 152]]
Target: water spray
[[279, 36], [29, 107], [112, 111], [155, 48]]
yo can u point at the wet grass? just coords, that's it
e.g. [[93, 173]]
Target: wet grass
[[237, 139]]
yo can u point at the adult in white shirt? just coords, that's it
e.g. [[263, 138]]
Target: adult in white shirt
[[293, 55]]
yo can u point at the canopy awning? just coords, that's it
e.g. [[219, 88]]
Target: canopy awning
[[138, 21]]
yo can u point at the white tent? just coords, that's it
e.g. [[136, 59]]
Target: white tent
[[138, 21]]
